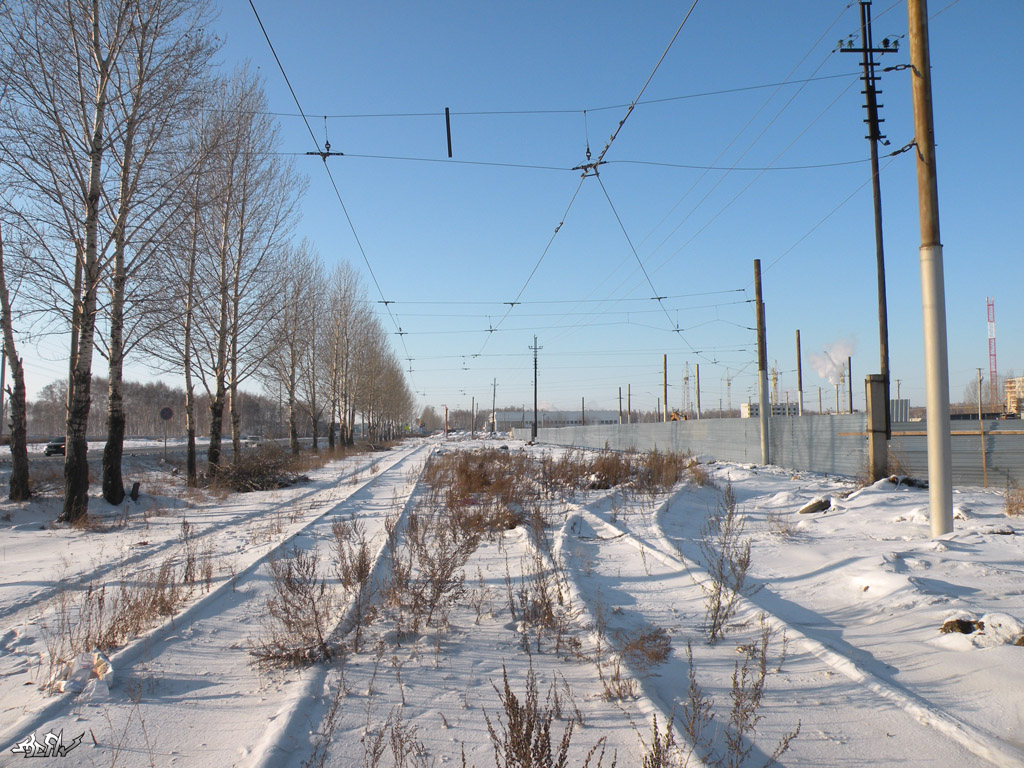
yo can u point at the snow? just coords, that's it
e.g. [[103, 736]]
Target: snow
[[854, 596]]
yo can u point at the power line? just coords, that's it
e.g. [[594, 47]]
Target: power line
[[538, 302], [512, 304], [650, 77], [561, 111], [334, 184]]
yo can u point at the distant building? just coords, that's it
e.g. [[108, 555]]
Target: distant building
[[508, 420], [1015, 395], [753, 410], [899, 410]]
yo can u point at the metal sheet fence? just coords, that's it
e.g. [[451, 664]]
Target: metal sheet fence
[[829, 444], [1004, 452]]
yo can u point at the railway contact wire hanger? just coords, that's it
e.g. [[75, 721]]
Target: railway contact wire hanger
[[323, 155]]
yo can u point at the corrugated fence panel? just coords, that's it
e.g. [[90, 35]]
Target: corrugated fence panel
[[830, 444], [1004, 451], [835, 445]]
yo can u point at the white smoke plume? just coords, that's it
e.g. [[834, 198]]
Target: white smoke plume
[[831, 363]]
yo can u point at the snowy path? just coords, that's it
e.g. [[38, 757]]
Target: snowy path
[[192, 671], [660, 589], [859, 592], [131, 553]]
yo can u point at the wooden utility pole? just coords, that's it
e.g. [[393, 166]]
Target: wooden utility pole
[[933, 290], [620, 405], [494, 411], [629, 403], [762, 365], [867, 50]]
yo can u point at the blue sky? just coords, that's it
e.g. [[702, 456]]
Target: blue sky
[[450, 242]]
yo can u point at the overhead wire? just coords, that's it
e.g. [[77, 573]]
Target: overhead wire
[[750, 146], [562, 111], [598, 162], [334, 185]]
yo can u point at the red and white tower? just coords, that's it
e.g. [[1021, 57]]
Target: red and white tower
[[993, 373]]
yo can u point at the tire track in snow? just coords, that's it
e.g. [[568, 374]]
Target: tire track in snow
[[231, 595], [973, 739], [283, 741]]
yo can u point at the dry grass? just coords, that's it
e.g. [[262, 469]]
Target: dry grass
[[659, 472], [296, 624], [523, 738], [101, 618], [727, 558], [780, 523], [699, 475], [645, 647], [1014, 503]]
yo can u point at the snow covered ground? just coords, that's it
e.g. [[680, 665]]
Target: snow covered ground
[[851, 601]]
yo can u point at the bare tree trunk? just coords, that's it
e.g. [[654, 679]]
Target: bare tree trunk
[[113, 451], [191, 478], [293, 432], [233, 409], [217, 402], [76, 463], [20, 488]]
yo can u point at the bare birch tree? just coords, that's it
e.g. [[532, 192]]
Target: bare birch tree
[[165, 56], [255, 204], [20, 488], [348, 309], [314, 364], [61, 63], [289, 334], [168, 339]]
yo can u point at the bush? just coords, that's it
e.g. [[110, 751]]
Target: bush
[[727, 558], [298, 611], [263, 470], [1014, 504]]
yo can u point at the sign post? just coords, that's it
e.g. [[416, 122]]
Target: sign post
[[166, 414]]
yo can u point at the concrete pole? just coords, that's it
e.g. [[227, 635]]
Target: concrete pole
[[620, 405], [533, 431], [698, 391], [981, 431], [799, 377], [629, 403], [762, 365], [933, 290], [849, 379], [876, 404], [472, 419], [664, 382]]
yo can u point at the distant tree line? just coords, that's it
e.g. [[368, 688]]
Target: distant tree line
[[143, 402], [146, 213]]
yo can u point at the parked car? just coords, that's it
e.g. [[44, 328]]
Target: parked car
[[55, 446]]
